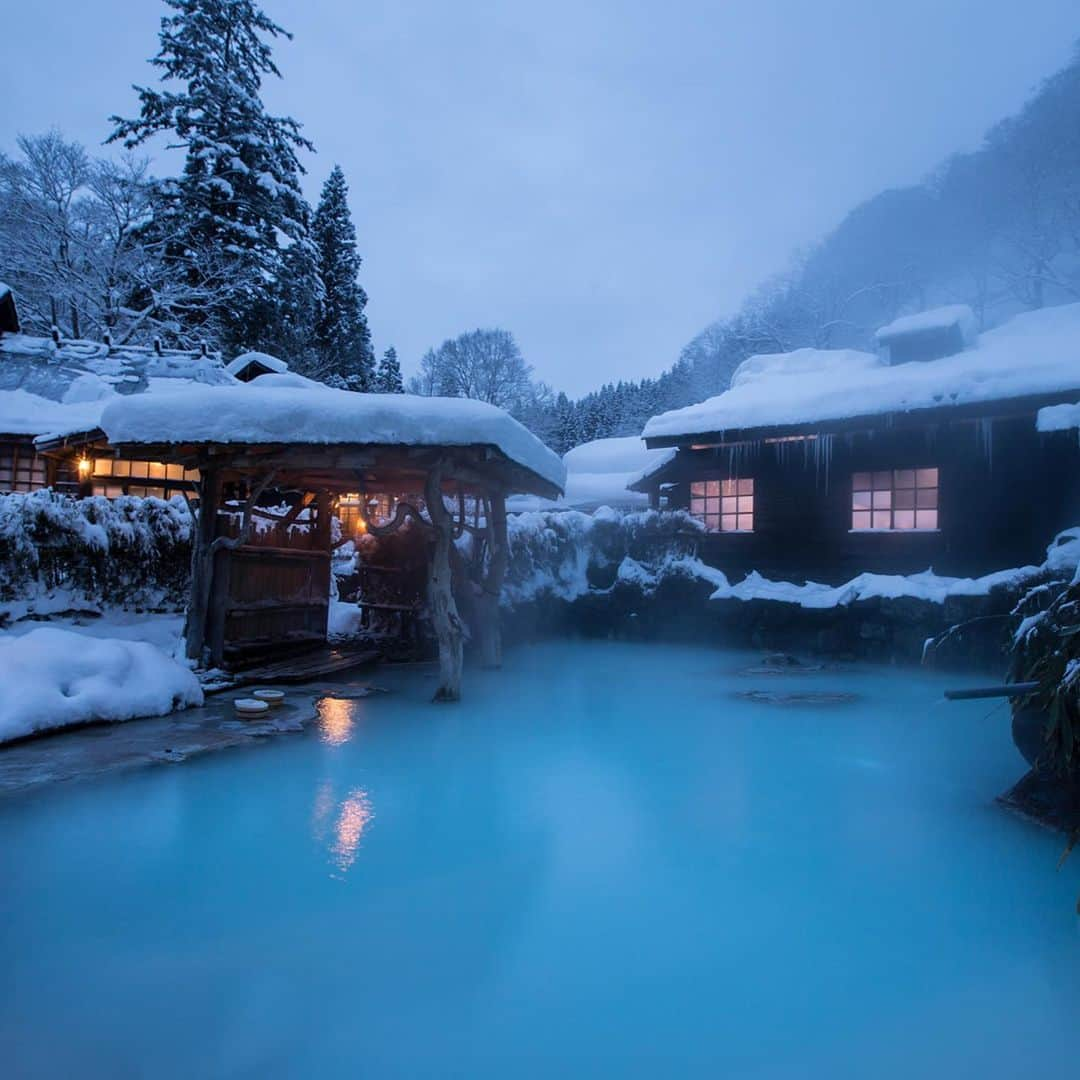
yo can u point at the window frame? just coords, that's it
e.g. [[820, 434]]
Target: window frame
[[898, 496], [724, 505]]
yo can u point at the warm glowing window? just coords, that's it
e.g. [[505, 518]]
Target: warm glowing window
[[380, 509], [724, 505], [897, 499], [113, 477]]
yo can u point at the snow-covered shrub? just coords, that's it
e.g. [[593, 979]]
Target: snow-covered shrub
[[569, 554], [1046, 649], [58, 552]]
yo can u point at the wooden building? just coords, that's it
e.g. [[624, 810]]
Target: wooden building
[[820, 465], [284, 451], [56, 386]]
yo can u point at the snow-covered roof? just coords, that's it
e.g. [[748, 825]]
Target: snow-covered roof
[[599, 473], [40, 366], [940, 318], [245, 360], [255, 413], [828, 363], [23, 413], [5, 290], [1033, 354]]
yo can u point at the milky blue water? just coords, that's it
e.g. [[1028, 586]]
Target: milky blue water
[[600, 864]]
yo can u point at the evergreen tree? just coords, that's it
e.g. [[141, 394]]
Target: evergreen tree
[[388, 379], [341, 334], [240, 187]]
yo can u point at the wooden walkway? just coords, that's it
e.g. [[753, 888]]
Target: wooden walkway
[[304, 667]]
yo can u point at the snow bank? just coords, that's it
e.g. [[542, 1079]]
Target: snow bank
[[1034, 353], [1058, 418], [927, 586], [257, 413], [941, 318], [56, 678], [1062, 558], [344, 620]]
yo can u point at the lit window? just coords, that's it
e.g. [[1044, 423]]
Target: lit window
[[723, 505], [130, 478], [380, 509], [895, 499]]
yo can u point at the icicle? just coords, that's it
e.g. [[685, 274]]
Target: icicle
[[823, 447], [984, 433]]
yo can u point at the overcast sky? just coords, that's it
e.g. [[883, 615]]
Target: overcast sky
[[600, 177]]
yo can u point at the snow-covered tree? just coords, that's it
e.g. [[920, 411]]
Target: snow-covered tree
[[388, 377], [239, 194], [73, 245], [341, 333]]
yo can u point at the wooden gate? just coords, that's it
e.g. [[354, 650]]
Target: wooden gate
[[267, 600]]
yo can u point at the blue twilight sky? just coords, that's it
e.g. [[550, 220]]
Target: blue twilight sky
[[601, 177]]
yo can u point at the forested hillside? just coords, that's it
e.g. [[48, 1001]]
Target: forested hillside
[[998, 229]]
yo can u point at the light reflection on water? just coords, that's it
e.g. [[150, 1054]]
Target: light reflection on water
[[339, 825], [336, 720], [353, 818]]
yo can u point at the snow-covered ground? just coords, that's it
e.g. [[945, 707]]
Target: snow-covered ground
[[160, 630], [57, 677]]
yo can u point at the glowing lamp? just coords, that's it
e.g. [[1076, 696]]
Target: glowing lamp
[[83, 467]]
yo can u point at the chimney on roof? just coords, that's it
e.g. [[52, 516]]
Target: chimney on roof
[[928, 335]]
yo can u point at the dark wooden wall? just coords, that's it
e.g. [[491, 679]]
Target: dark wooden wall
[[271, 593], [1005, 490]]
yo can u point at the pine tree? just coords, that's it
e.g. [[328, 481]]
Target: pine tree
[[388, 379], [240, 187], [341, 335]]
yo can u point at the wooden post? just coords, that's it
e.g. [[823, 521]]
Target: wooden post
[[444, 614], [204, 530], [321, 529], [492, 582]]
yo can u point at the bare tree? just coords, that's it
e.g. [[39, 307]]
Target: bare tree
[[486, 365]]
